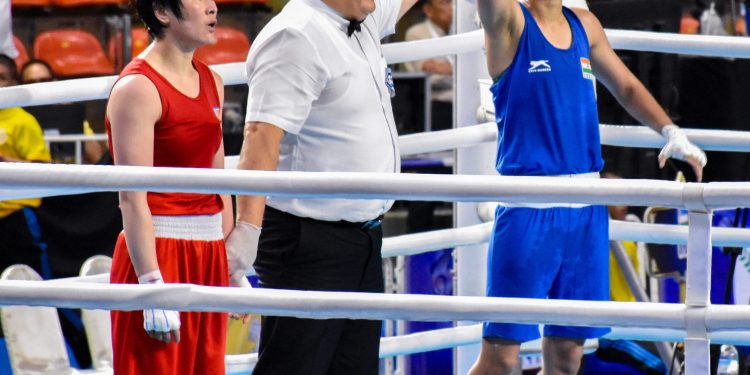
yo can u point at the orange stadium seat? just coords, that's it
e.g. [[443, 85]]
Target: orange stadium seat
[[139, 42], [30, 3], [72, 52], [231, 46], [689, 25], [23, 54]]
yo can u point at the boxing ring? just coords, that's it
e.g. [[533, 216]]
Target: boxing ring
[[696, 322]]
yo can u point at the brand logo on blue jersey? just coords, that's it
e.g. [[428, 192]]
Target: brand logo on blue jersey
[[539, 66]]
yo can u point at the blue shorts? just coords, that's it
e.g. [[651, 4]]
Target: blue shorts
[[556, 253]]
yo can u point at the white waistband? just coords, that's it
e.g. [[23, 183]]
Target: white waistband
[[552, 205], [189, 227]]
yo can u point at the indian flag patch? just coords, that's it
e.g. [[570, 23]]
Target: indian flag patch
[[586, 69]]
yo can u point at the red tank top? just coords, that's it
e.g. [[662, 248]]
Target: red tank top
[[188, 134]]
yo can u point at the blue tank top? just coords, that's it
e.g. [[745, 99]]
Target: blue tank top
[[545, 106]]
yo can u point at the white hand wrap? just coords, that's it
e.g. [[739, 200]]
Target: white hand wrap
[[679, 146], [242, 247], [156, 319]]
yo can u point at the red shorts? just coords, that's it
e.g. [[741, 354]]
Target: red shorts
[[190, 249]]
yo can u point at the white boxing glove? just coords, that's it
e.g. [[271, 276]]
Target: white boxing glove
[[157, 320], [242, 247], [679, 146]]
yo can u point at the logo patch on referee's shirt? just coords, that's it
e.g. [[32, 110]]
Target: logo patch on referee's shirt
[[588, 73]]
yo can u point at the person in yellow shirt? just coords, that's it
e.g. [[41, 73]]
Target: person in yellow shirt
[[21, 140], [36, 71]]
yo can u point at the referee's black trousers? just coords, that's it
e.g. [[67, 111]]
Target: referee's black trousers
[[307, 254]]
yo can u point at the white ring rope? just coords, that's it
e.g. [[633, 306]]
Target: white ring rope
[[431, 340], [444, 140], [419, 243], [642, 136], [472, 334], [451, 139], [445, 338], [240, 363], [53, 138], [327, 305], [697, 45], [427, 48], [71, 90], [233, 73], [15, 177], [665, 234], [611, 135]]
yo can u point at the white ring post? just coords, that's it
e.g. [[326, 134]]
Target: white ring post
[[470, 261], [697, 296], [79, 153]]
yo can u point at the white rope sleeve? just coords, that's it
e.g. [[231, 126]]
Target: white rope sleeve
[[234, 73], [473, 188], [61, 179], [325, 305]]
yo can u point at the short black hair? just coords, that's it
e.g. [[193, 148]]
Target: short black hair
[[11, 65], [147, 12]]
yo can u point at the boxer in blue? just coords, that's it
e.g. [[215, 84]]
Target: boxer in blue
[[544, 59]]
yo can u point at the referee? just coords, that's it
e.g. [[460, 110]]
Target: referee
[[319, 101]]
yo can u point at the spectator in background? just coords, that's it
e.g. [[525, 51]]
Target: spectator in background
[[37, 71], [21, 140], [439, 15], [711, 22], [689, 23]]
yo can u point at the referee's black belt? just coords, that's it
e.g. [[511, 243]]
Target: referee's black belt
[[372, 224], [364, 225]]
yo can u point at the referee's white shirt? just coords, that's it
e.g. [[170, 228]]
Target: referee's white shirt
[[328, 93]]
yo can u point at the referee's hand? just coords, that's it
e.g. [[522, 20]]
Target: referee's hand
[[242, 247]]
